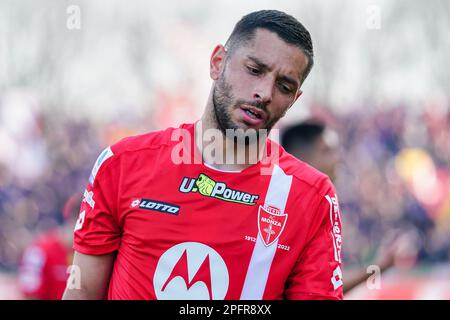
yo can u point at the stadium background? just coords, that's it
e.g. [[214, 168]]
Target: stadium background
[[381, 81]]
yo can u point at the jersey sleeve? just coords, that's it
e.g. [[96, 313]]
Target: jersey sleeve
[[318, 271], [97, 230], [32, 272]]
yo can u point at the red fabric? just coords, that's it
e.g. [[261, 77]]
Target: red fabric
[[42, 272], [119, 218]]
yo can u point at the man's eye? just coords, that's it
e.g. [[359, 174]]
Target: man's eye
[[285, 88], [253, 70]]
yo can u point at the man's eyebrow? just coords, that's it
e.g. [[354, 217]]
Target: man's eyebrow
[[264, 66], [260, 64]]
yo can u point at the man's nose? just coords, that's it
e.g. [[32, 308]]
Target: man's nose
[[263, 91]]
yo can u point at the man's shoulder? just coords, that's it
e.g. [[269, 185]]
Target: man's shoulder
[[133, 147], [303, 172], [149, 140]]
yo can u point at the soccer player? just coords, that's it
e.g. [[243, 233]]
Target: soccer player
[[314, 143], [43, 268], [168, 219]]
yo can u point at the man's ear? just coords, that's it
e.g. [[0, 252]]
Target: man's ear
[[217, 61]]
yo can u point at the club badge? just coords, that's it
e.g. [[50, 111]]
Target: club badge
[[271, 223]]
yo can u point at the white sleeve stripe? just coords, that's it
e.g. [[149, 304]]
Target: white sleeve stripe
[[336, 256]]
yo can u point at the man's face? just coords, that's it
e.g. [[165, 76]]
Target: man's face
[[257, 83], [322, 155]]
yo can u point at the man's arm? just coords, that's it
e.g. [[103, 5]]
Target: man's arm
[[396, 248], [97, 232], [94, 272], [318, 271]]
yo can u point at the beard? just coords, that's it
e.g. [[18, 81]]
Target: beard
[[224, 104]]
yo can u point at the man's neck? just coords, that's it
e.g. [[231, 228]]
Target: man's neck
[[234, 156]]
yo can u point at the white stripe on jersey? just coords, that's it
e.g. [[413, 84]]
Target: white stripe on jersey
[[337, 257], [262, 256]]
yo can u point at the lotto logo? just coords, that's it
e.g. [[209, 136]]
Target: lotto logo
[[154, 205]]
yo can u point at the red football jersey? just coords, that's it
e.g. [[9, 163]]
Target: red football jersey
[[42, 271], [183, 230]]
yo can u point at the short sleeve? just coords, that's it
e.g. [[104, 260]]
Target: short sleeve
[[97, 231], [318, 271]]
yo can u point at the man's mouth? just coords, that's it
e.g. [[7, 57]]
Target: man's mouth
[[253, 112], [252, 116]]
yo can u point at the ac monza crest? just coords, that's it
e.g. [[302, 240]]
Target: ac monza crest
[[271, 223]]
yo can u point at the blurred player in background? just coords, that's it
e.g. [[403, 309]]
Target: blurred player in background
[[314, 143], [43, 269], [318, 145]]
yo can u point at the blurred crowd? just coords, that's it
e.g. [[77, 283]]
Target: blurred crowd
[[393, 174], [44, 159], [394, 178]]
